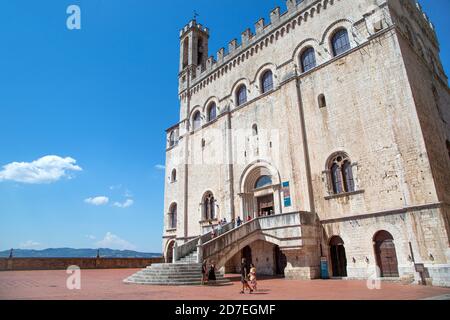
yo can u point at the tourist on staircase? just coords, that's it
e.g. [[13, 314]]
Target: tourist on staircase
[[204, 272], [212, 274]]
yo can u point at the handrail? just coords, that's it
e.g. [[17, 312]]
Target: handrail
[[292, 219], [187, 248], [258, 219]]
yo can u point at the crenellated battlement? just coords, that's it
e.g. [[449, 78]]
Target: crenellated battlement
[[193, 24], [305, 8]]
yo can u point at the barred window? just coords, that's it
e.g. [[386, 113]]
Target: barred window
[[266, 81], [340, 42], [241, 95], [212, 112], [308, 59]]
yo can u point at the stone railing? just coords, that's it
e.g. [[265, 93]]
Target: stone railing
[[187, 248], [11, 264], [285, 226]]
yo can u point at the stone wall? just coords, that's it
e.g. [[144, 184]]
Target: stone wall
[[15, 264]]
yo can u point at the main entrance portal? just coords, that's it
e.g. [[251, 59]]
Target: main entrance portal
[[260, 191], [265, 205]]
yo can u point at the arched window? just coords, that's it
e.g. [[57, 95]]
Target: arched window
[[196, 120], [212, 112], [255, 129], [209, 203], [341, 174], [340, 42], [173, 216], [308, 59], [172, 139], [173, 176], [263, 181], [322, 101], [241, 95], [266, 81]]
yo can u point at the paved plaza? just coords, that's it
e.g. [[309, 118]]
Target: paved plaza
[[107, 284]]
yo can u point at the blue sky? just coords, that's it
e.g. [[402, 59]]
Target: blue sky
[[99, 100]]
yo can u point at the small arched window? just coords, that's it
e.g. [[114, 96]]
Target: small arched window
[[255, 130], [172, 140], [173, 176], [341, 174], [267, 81], [209, 203], [173, 216], [263, 181], [241, 95], [196, 120], [322, 101], [340, 42], [212, 112], [308, 59]]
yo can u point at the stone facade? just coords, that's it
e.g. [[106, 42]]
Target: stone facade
[[380, 109]]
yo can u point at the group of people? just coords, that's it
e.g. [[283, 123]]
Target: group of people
[[248, 277]]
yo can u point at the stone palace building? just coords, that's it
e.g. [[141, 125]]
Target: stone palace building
[[328, 126]]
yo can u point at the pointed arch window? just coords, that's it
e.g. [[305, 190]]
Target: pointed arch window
[[267, 81], [341, 174], [212, 112], [340, 42], [241, 95], [308, 59], [208, 204]]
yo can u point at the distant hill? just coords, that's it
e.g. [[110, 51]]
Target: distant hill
[[76, 253]]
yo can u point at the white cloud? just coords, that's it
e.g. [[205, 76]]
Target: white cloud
[[115, 187], [111, 241], [30, 244], [44, 170], [91, 237], [128, 203], [160, 167], [97, 201]]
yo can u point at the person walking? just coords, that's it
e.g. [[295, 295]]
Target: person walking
[[244, 277], [252, 277], [249, 218], [238, 221], [204, 272], [212, 274]]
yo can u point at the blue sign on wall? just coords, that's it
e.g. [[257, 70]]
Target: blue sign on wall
[[324, 268], [286, 194]]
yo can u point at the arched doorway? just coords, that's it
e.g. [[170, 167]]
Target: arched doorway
[[386, 255], [169, 252], [247, 254], [338, 257], [260, 190], [280, 261]]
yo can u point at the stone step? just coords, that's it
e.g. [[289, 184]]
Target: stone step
[[174, 276], [171, 283]]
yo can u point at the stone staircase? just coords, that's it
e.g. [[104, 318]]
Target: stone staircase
[[173, 274], [184, 271]]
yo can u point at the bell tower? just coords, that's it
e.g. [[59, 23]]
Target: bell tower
[[193, 47]]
